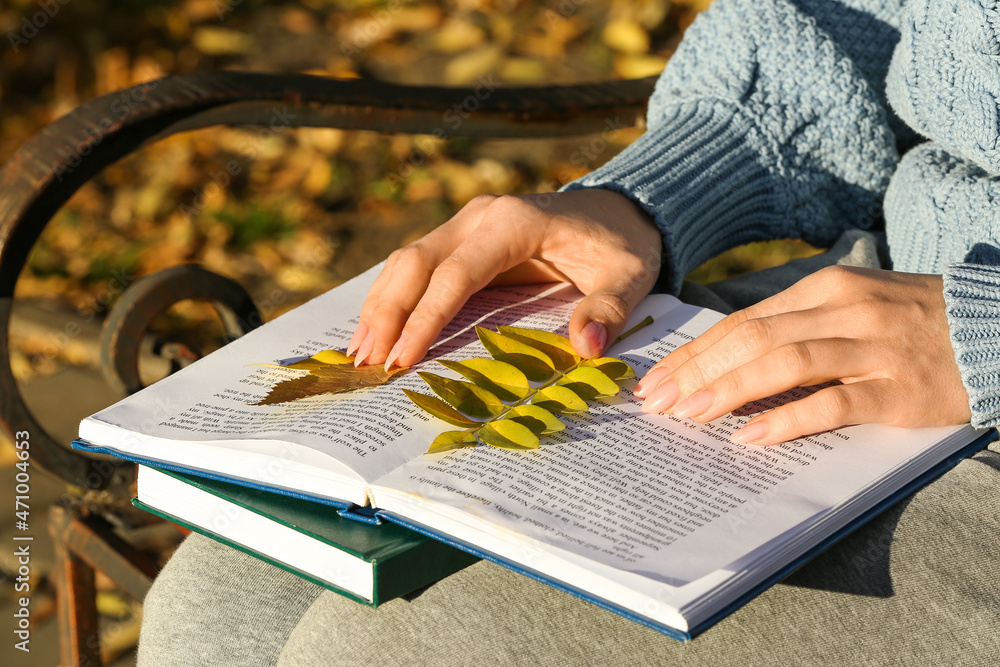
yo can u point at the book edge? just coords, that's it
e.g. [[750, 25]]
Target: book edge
[[253, 552], [85, 446], [398, 546], [851, 526]]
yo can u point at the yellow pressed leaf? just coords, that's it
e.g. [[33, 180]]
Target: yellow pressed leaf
[[329, 379], [451, 440], [534, 363], [465, 396], [589, 383], [508, 383], [616, 369], [440, 409], [333, 357], [321, 359], [536, 418], [508, 434], [557, 347], [521, 356], [559, 399]]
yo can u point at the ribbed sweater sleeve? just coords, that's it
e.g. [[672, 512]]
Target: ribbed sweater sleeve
[[764, 126], [972, 293], [941, 208], [942, 217]]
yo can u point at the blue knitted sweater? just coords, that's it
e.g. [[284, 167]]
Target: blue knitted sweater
[[787, 119]]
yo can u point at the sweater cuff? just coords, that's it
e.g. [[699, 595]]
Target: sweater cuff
[[972, 296], [704, 174]]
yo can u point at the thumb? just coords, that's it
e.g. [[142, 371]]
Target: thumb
[[602, 314]]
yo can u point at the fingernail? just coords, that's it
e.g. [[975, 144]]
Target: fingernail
[[662, 398], [649, 382], [359, 335], [367, 345], [750, 432], [694, 404], [394, 353], [595, 336]]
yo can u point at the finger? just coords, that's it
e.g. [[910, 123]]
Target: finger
[[803, 295], [829, 408], [602, 314], [661, 371], [403, 281], [690, 350], [799, 364], [432, 248], [489, 251], [393, 295], [745, 342]]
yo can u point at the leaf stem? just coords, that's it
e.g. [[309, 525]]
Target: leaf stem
[[645, 323]]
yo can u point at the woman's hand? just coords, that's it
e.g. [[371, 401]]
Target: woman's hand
[[883, 335], [599, 240]]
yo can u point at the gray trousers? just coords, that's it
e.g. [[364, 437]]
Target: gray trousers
[[918, 585]]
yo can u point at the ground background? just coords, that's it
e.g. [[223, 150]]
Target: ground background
[[310, 209]]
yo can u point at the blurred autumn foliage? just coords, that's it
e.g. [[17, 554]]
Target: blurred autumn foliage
[[309, 208]]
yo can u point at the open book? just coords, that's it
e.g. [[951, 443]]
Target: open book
[[660, 519]]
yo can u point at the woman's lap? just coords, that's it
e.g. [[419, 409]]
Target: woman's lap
[[214, 605]]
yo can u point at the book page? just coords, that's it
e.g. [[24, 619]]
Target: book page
[[372, 431], [652, 496]]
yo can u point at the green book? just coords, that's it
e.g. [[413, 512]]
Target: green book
[[367, 563]]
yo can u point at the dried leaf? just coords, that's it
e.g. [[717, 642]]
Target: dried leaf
[[440, 409], [457, 35], [525, 70], [616, 369], [588, 383], [471, 64], [508, 434], [452, 440], [508, 383], [559, 399], [465, 396], [556, 347], [626, 35], [332, 357], [535, 364], [217, 41], [639, 65], [536, 418], [321, 359], [329, 379]]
